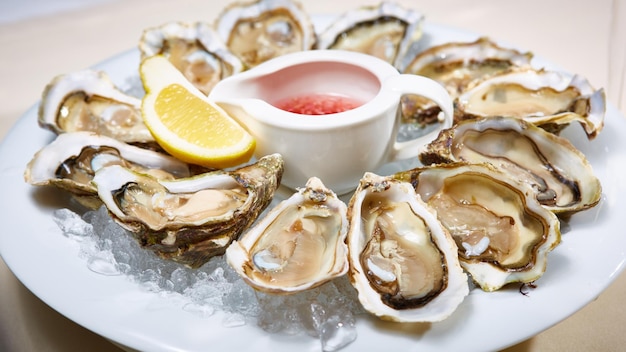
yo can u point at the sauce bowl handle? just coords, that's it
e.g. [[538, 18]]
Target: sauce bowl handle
[[428, 88]]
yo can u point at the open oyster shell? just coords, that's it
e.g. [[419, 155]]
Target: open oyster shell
[[263, 29], [455, 65], [298, 245], [387, 31], [502, 232], [88, 100], [194, 49], [403, 262], [561, 177], [548, 99], [72, 159], [189, 220]]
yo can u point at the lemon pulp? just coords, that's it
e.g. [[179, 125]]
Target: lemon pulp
[[186, 124]]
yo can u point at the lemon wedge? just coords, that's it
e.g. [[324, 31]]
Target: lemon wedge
[[185, 123]]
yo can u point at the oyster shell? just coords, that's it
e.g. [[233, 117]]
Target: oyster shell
[[298, 245], [403, 262], [194, 49], [547, 99], [88, 100], [387, 31], [502, 232], [455, 65], [189, 220], [71, 160], [560, 175], [263, 29]]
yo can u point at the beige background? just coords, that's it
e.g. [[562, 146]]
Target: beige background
[[572, 33]]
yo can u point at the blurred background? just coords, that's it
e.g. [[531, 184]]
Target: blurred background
[[573, 34]]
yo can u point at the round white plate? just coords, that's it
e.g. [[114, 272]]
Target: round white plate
[[589, 258]]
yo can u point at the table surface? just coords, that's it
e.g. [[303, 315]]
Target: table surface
[[41, 39]]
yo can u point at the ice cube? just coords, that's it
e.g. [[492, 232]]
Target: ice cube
[[71, 223], [337, 332], [232, 320], [103, 263]]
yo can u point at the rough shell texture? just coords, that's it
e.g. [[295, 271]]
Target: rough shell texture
[[193, 219], [560, 175], [298, 245], [545, 98], [88, 100], [387, 31], [503, 234], [403, 262], [194, 49], [263, 29], [71, 160], [455, 65]]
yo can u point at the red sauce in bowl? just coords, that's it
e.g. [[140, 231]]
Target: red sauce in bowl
[[318, 104]]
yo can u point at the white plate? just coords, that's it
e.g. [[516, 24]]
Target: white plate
[[590, 257]]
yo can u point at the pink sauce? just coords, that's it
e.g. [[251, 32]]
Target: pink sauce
[[318, 104]]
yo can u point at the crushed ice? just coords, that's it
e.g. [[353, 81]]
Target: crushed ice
[[327, 312]]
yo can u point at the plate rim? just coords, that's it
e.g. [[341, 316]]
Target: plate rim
[[27, 122]]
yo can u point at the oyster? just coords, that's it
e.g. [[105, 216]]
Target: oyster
[[560, 175], [403, 263], [189, 220], [547, 99], [72, 159], [502, 232], [263, 29], [194, 49], [387, 31], [298, 245], [88, 100], [455, 65]]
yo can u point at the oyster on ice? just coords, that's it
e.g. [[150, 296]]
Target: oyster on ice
[[298, 245], [403, 262], [502, 232], [194, 49], [548, 99], [387, 31], [189, 220], [263, 29], [88, 100], [72, 159], [560, 175], [455, 65]]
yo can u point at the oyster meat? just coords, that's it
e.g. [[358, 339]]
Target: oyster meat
[[502, 232], [71, 160], [263, 29], [89, 101], [545, 98], [387, 31], [194, 49], [298, 245], [560, 175], [455, 65], [189, 220], [403, 262]]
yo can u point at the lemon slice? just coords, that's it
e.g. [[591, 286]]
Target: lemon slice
[[185, 123]]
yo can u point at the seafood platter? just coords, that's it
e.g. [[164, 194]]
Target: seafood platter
[[418, 249]]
